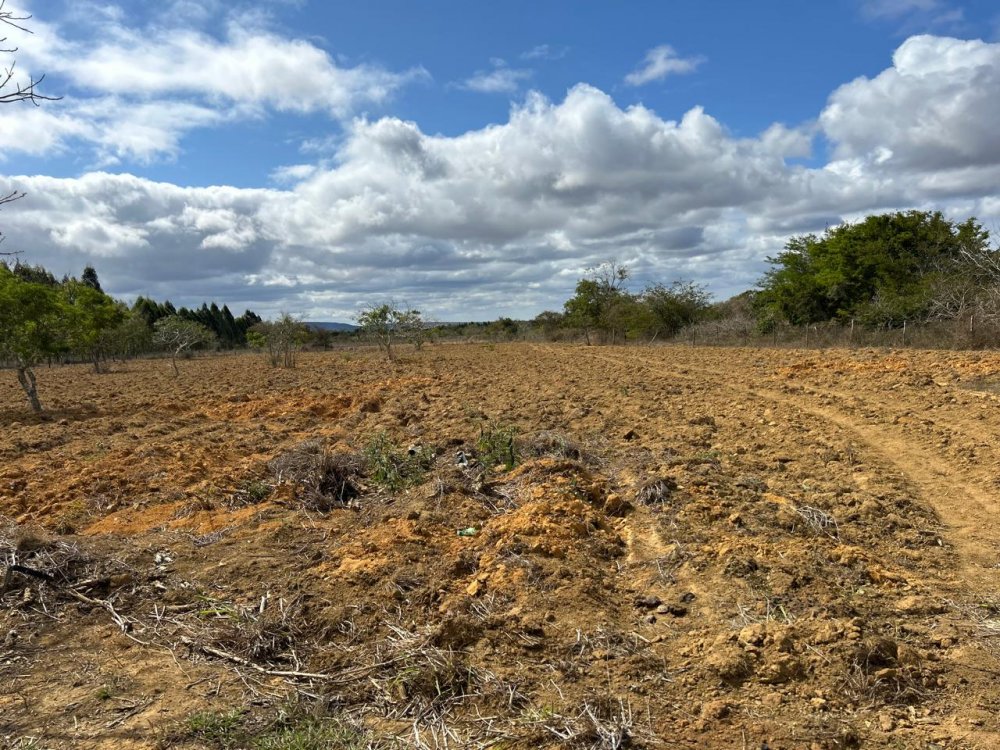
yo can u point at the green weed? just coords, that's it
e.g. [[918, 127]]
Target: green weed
[[496, 445]]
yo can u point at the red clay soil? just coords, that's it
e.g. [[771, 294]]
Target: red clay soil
[[705, 548]]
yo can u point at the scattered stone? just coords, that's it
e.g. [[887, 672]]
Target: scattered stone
[[773, 700], [877, 652], [908, 656], [753, 634], [648, 602], [630, 435]]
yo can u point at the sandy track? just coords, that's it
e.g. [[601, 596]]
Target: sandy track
[[965, 496]]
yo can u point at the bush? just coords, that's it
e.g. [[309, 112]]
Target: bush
[[281, 339], [389, 466], [496, 445]]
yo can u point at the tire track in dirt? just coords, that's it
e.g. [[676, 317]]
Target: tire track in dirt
[[966, 509]]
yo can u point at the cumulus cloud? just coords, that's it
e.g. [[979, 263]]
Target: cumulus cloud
[[661, 62], [504, 219], [933, 111]]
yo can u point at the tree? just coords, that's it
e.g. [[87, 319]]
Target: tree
[[89, 278], [93, 317], [674, 307], [176, 335], [599, 300], [281, 338], [881, 271], [583, 309], [130, 337], [411, 327], [970, 287], [385, 323], [32, 327], [549, 322]]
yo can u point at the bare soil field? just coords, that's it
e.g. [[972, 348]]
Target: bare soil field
[[704, 548]]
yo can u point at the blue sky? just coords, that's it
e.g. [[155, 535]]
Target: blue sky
[[473, 159]]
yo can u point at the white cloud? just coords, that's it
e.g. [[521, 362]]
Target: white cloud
[[913, 16], [292, 173], [545, 52], [935, 109], [133, 93], [659, 63], [500, 80], [897, 8], [501, 220]]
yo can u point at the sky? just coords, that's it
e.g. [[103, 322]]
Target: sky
[[473, 160]]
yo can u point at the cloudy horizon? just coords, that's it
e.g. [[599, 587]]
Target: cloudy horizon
[[210, 153]]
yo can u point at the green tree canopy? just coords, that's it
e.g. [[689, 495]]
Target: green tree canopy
[[93, 317], [881, 270], [33, 324], [281, 338], [385, 323]]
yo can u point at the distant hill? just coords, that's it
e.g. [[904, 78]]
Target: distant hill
[[325, 325]]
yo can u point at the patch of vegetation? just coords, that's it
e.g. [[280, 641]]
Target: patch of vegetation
[[312, 734], [322, 480], [215, 728], [389, 466], [496, 445], [252, 492], [288, 731]]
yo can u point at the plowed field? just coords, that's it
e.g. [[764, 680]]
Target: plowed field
[[695, 547]]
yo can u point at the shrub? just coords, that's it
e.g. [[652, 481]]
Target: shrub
[[496, 445], [392, 467]]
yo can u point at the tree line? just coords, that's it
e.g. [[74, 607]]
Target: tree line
[[47, 319], [884, 272]]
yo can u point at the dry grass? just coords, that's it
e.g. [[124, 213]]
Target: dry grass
[[322, 480]]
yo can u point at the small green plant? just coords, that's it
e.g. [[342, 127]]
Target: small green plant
[[215, 728], [289, 730], [496, 445], [392, 467], [251, 492], [312, 734]]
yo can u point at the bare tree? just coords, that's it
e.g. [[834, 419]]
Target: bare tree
[[22, 92], [178, 335]]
